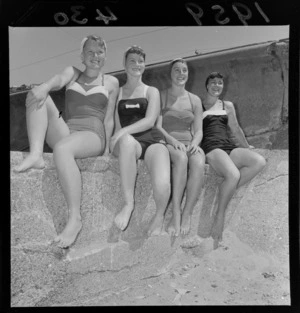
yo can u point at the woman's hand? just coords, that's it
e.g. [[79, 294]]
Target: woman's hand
[[37, 96], [178, 145], [116, 137], [251, 147], [193, 148]]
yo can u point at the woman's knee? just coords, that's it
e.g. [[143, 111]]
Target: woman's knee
[[179, 158], [232, 174], [197, 163], [260, 162], [60, 150], [126, 142]]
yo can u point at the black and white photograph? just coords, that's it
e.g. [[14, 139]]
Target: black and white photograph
[[150, 165]]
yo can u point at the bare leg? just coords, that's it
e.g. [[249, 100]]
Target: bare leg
[[157, 159], [40, 122], [129, 151], [224, 167], [78, 145], [248, 162], [193, 189], [179, 162]]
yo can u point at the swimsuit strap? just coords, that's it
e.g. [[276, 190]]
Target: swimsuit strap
[[102, 79], [145, 91], [223, 105], [192, 104]]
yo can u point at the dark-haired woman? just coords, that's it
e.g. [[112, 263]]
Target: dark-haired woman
[[136, 137], [236, 164]]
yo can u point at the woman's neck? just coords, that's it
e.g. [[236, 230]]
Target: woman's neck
[[91, 73], [209, 100], [177, 91], [133, 82]]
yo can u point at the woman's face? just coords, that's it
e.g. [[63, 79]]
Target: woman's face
[[93, 55], [215, 86], [179, 73], [135, 64]]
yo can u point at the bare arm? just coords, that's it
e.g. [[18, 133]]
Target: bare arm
[[198, 119], [234, 125], [109, 116], [38, 94]]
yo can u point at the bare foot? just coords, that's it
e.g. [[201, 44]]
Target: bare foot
[[70, 233], [33, 160], [185, 223], [174, 224], [122, 219], [156, 225], [217, 229]]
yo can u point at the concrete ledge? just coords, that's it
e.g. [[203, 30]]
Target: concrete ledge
[[103, 256]]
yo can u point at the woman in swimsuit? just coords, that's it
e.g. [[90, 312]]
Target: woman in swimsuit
[[236, 164], [136, 137], [89, 104], [181, 123]]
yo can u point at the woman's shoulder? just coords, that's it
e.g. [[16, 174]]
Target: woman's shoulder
[[150, 90], [111, 79], [228, 104], [196, 100]]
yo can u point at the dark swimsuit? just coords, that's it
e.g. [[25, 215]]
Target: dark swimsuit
[[178, 122], [86, 107], [131, 111], [215, 131]]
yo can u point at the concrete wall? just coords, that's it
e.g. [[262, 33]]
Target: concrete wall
[[104, 257], [256, 81]]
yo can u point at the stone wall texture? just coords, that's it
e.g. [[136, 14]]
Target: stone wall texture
[[103, 256]]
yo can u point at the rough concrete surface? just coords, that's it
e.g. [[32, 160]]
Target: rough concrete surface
[[108, 267]]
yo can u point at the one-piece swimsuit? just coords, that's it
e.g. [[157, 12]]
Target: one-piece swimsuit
[[215, 131], [85, 107], [178, 123], [130, 111]]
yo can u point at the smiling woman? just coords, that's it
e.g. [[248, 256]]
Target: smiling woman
[[136, 137], [90, 101]]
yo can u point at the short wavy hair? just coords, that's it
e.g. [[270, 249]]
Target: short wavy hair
[[213, 75], [135, 49]]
